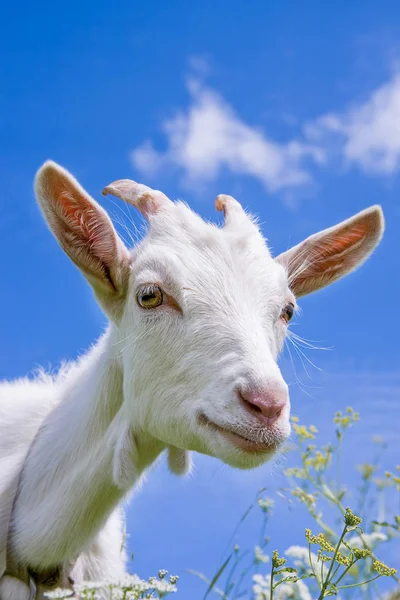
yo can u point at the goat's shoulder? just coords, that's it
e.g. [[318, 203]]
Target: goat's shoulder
[[24, 404]]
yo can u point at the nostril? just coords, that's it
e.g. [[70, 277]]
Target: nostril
[[251, 406], [265, 403], [248, 404]]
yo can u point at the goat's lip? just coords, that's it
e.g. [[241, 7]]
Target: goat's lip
[[238, 439]]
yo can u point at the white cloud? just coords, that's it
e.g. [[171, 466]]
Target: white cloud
[[210, 136], [367, 135]]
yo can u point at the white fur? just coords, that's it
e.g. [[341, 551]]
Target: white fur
[[85, 436]]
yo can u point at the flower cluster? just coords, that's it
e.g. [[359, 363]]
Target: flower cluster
[[308, 499], [276, 560], [367, 470], [293, 590], [394, 479], [130, 587], [383, 569], [302, 432], [344, 421], [266, 504], [320, 460], [351, 519], [361, 552]]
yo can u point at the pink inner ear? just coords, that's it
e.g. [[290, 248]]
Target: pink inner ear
[[86, 226], [349, 239], [330, 257]]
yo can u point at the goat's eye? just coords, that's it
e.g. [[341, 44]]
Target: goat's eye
[[287, 312], [149, 296]]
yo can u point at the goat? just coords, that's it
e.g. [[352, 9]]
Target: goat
[[197, 317]]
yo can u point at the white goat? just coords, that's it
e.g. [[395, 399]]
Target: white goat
[[198, 315]]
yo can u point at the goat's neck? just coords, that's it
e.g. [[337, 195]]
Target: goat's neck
[[85, 448]]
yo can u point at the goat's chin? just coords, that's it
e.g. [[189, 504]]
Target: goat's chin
[[243, 450], [240, 459]]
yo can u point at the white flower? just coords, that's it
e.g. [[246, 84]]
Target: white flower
[[59, 593], [301, 559], [260, 556], [297, 590], [130, 587]]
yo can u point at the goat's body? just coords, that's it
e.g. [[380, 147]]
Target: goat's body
[[47, 528]]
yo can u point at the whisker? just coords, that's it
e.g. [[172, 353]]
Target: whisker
[[306, 343]]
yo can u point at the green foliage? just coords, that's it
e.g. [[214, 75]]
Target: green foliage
[[339, 560]]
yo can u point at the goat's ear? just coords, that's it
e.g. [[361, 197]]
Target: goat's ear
[[330, 254], [86, 234]]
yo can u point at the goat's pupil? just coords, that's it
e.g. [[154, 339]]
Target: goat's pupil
[[149, 297], [287, 312]]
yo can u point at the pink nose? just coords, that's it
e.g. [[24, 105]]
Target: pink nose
[[266, 403]]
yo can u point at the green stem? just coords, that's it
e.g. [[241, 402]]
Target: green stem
[[331, 497], [312, 566], [326, 582], [344, 572], [342, 587], [271, 587]]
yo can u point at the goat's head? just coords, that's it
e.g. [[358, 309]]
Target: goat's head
[[202, 311]]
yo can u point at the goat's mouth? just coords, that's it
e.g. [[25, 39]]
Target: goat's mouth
[[243, 440]]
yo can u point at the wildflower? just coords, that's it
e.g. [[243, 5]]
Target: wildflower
[[301, 556], [361, 552], [276, 560], [307, 499], [383, 569], [266, 504], [341, 559], [260, 557], [296, 472], [293, 589], [382, 483], [346, 420], [351, 519], [312, 539], [162, 573], [325, 545], [303, 433], [319, 461], [173, 579], [366, 470], [59, 593], [323, 557]]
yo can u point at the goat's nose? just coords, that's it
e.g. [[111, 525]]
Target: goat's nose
[[266, 403]]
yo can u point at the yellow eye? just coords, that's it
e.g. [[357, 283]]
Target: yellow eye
[[287, 312], [149, 296]]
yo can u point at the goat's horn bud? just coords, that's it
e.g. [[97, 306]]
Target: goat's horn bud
[[146, 200], [228, 205]]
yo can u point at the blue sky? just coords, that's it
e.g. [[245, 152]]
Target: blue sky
[[294, 108]]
